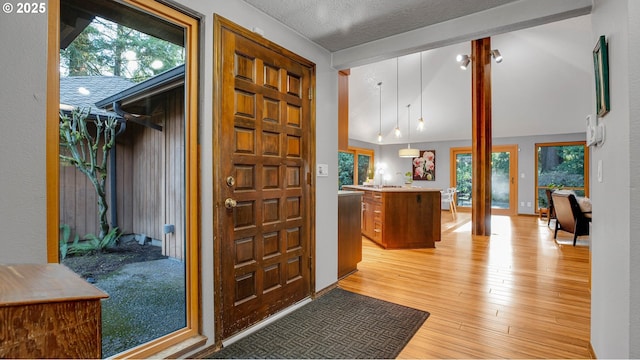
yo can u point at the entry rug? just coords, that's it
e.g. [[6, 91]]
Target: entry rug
[[337, 325]]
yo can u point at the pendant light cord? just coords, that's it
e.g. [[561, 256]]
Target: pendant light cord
[[397, 95], [409, 126], [380, 110], [421, 118]]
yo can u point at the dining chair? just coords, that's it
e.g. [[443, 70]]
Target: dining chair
[[569, 216], [449, 198], [551, 212]]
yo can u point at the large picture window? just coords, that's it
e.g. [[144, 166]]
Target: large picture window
[[122, 159], [561, 165]]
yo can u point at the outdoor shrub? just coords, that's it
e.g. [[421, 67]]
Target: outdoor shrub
[[94, 243], [64, 240]]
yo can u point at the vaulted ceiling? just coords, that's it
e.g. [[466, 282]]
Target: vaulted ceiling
[[543, 86]]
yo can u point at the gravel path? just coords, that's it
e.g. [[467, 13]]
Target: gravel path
[[146, 301]]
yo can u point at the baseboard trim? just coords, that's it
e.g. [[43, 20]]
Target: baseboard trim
[[325, 290], [592, 352]]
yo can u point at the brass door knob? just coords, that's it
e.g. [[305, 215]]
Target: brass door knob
[[229, 203]]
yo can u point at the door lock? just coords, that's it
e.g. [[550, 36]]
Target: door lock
[[231, 181], [229, 203]]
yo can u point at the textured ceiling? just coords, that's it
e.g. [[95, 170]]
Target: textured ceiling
[[340, 24]]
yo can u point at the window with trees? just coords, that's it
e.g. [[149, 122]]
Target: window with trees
[[504, 184], [355, 166], [121, 149], [561, 165]]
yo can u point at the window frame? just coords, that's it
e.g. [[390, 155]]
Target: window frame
[[359, 151], [191, 332], [560, 143]]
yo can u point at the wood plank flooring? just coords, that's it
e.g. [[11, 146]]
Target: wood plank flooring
[[515, 294]]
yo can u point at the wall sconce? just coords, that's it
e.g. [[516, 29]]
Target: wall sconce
[[464, 61], [495, 54]]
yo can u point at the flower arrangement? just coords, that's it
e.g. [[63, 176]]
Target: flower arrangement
[[424, 166]]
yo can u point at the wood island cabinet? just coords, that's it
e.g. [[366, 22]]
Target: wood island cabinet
[[400, 218], [47, 311]]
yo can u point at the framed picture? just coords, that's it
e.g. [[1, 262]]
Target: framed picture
[[601, 70], [424, 166]]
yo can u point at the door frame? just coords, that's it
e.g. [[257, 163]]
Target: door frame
[[219, 23], [513, 174]]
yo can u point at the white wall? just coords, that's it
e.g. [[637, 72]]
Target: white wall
[[633, 76], [613, 250], [22, 138]]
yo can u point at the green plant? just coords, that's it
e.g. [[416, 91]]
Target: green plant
[[407, 177], [94, 243], [553, 186], [64, 240]]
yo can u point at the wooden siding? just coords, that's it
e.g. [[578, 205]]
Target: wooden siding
[[173, 244], [150, 181], [147, 182], [78, 204]]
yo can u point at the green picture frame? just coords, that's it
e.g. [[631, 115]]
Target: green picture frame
[[601, 71]]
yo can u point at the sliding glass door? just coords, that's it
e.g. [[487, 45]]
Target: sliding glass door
[[504, 168]]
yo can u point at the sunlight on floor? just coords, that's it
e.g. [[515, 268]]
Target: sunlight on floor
[[500, 247]]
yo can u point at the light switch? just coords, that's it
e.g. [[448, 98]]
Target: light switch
[[599, 170], [322, 170]]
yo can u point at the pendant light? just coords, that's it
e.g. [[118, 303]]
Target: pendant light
[[409, 152], [380, 113], [397, 130], [421, 120]]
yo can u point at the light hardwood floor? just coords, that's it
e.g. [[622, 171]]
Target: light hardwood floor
[[515, 294]]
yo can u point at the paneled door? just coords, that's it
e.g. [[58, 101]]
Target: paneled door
[[263, 182]]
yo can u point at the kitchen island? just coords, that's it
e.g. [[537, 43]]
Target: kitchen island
[[400, 217]]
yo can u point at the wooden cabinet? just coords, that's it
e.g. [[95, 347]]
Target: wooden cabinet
[[47, 311], [401, 218], [349, 237], [368, 219]]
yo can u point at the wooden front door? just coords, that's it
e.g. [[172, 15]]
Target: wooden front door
[[263, 181]]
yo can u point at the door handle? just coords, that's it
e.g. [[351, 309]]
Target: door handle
[[229, 203]]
